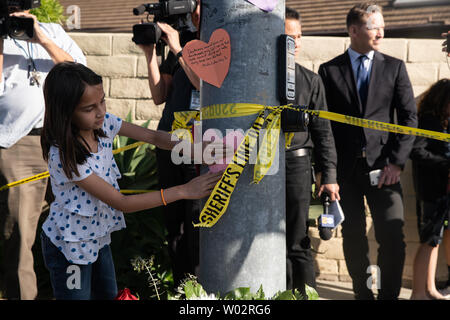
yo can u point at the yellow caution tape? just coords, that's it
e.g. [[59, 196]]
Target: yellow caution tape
[[46, 174], [377, 125], [26, 180], [269, 145], [245, 109], [218, 201], [128, 147]]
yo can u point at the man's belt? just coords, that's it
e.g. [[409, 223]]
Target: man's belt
[[300, 152]]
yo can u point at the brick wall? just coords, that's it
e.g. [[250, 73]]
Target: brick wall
[[121, 63]]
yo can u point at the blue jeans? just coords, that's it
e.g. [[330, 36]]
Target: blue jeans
[[96, 281]]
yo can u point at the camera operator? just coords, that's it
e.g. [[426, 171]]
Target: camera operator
[[175, 83], [23, 68], [160, 80]]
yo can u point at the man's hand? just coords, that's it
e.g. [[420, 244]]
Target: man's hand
[[332, 189], [390, 175], [39, 36], [445, 44], [56, 53], [170, 37]]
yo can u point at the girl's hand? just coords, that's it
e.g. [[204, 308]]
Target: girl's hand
[[201, 186], [215, 152]]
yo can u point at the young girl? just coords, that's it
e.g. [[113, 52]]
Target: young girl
[[77, 141], [431, 163]]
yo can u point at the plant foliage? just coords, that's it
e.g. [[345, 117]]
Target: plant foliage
[[50, 11], [190, 289]]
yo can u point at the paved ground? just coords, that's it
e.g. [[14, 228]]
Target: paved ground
[[330, 290]]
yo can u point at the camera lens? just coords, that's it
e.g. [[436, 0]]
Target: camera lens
[[21, 28], [15, 30], [17, 33]]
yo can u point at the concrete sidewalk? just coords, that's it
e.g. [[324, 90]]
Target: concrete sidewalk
[[332, 290]]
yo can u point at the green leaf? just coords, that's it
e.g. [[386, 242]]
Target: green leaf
[[284, 295], [242, 293], [50, 11], [260, 294], [311, 293], [193, 290]]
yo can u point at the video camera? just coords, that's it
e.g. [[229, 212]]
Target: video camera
[[172, 12], [20, 28]]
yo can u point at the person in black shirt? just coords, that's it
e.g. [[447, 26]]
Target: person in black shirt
[[177, 85], [431, 172], [318, 140]]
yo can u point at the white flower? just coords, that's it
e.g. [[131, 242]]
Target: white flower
[[211, 296]]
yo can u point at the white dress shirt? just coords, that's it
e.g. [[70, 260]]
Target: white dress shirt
[[355, 62], [21, 104]]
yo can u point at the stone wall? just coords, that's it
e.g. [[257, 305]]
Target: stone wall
[[124, 70], [121, 63]]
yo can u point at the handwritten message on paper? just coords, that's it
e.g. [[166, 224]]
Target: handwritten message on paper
[[210, 61]]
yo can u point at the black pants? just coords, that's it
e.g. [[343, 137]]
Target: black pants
[[182, 237], [386, 208], [299, 261]]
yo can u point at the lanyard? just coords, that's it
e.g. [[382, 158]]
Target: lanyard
[[32, 70]]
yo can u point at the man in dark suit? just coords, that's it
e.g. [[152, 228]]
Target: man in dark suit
[[367, 84], [317, 140]]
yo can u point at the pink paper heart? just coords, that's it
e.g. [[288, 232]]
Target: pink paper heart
[[233, 139], [210, 61], [266, 5]]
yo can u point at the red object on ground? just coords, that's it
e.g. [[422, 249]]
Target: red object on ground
[[125, 294]]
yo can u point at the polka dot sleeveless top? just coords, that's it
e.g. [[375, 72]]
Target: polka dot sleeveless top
[[78, 224]]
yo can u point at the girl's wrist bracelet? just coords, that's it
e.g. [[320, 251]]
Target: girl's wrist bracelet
[[162, 197]]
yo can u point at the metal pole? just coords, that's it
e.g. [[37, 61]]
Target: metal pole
[[247, 246]]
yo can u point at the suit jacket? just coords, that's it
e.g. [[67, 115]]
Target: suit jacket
[[309, 91], [430, 163], [390, 97]]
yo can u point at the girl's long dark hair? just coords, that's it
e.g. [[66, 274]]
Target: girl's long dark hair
[[63, 89], [436, 100]]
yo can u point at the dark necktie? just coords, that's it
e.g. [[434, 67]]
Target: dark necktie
[[362, 80]]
